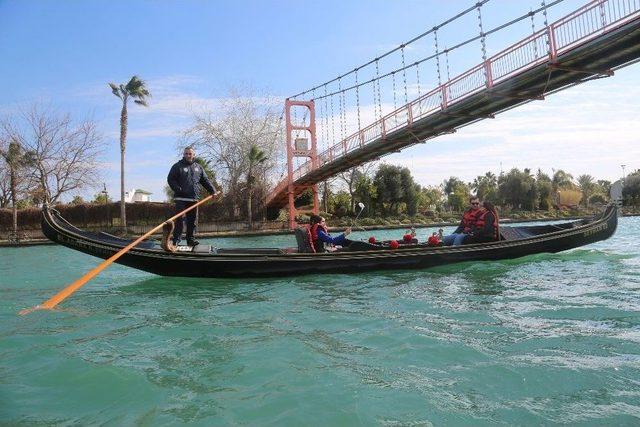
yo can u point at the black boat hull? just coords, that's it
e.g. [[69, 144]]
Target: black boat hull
[[269, 263]]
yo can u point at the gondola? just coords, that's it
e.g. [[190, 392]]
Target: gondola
[[205, 261]]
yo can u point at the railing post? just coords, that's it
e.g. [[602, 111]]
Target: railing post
[[488, 73], [553, 53], [444, 96], [409, 114]]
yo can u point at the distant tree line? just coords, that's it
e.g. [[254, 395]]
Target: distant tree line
[[391, 191]]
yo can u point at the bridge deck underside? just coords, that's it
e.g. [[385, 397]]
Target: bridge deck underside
[[610, 51]]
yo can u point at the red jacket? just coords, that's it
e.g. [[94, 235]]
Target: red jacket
[[468, 223]]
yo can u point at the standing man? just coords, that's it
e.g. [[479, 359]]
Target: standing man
[[467, 226], [184, 179]]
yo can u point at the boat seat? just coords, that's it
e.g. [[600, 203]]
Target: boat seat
[[252, 251], [303, 239], [357, 245], [513, 233]]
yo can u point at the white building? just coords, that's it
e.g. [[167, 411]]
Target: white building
[[136, 195]]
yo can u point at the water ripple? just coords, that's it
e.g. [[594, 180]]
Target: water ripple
[[546, 339]]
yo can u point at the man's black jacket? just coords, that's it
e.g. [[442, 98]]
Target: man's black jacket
[[184, 179]]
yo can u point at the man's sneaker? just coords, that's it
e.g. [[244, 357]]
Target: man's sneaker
[[193, 242]]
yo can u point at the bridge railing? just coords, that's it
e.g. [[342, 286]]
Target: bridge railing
[[528, 52], [427, 103], [586, 23]]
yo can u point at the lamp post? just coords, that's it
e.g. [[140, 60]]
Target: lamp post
[[106, 201], [623, 174]]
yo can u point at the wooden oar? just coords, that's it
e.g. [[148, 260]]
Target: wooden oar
[[63, 294]]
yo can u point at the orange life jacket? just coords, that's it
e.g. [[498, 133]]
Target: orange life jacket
[[469, 220], [482, 219]]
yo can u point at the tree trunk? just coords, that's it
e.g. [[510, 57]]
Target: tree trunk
[[249, 210], [13, 198], [123, 142], [325, 196], [249, 190]]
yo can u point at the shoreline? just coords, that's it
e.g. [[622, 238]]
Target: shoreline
[[207, 235]]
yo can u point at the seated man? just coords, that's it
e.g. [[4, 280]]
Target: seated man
[[320, 235], [486, 227], [467, 224]]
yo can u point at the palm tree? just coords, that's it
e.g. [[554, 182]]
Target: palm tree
[[485, 186], [136, 90], [561, 180], [586, 184], [256, 157], [16, 158]]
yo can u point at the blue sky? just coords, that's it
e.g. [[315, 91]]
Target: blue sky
[[63, 53]]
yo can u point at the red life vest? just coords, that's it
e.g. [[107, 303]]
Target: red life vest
[[469, 220], [482, 219], [317, 244], [433, 241]]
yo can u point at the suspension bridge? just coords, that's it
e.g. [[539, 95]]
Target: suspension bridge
[[348, 115]]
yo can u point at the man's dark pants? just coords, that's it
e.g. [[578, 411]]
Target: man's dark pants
[[189, 217]]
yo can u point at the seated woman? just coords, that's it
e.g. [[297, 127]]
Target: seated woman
[[320, 235], [486, 228]]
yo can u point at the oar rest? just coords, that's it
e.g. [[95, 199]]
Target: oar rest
[[201, 249]]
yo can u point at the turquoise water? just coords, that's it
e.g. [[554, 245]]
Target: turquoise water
[[546, 339]]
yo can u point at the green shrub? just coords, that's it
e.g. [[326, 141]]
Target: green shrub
[[367, 221]]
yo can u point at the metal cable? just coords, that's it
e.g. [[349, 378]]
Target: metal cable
[[395, 104], [448, 21], [533, 32], [333, 121], [446, 57], [435, 36], [404, 77], [483, 46], [375, 102], [358, 102], [459, 45], [418, 81], [378, 85], [546, 24]]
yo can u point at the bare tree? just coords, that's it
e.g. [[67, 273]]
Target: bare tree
[[351, 176], [64, 153], [5, 187], [227, 134], [256, 159], [326, 193]]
